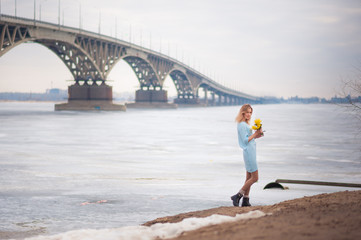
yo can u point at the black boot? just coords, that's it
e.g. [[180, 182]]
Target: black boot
[[245, 202], [236, 198]]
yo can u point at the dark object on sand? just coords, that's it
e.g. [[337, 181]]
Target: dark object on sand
[[277, 184]]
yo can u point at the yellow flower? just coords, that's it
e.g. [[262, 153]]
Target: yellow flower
[[257, 121], [257, 124]]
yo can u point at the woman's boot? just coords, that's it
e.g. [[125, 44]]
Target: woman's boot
[[245, 202], [236, 198]]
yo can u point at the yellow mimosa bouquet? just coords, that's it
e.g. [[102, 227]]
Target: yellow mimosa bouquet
[[257, 124]]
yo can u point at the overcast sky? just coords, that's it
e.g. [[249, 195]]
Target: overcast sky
[[260, 47]]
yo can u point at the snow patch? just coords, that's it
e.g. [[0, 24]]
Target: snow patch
[[158, 230]]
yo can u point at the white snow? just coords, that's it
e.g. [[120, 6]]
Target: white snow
[[159, 230]]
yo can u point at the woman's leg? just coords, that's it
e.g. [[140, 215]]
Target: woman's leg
[[250, 179]]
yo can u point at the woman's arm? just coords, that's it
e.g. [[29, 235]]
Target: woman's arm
[[255, 135]]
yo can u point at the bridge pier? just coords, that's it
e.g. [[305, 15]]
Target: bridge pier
[[206, 96], [89, 97], [219, 100], [239, 101], [151, 98], [213, 101], [226, 100], [186, 100]]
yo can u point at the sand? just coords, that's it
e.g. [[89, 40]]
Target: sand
[[325, 216]]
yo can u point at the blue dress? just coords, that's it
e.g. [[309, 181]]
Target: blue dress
[[249, 148]]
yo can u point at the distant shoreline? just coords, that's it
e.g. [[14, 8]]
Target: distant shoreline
[[32, 101], [57, 95], [120, 101]]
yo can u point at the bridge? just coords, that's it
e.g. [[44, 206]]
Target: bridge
[[90, 57]]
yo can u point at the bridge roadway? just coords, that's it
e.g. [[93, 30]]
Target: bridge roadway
[[90, 57]]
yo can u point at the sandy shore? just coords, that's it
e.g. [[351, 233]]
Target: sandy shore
[[325, 216]]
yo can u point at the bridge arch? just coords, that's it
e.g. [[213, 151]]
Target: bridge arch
[[102, 54], [79, 63], [144, 71], [32, 67], [182, 85], [12, 36]]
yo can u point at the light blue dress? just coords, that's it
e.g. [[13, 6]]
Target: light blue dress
[[249, 148]]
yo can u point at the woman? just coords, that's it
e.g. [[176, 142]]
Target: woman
[[247, 142]]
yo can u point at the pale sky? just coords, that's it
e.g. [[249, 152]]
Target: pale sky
[[260, 47]]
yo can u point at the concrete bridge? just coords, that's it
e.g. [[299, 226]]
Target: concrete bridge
[[90, 57]]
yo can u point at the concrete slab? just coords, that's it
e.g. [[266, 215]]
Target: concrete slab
[[152, 105], [89, 105]]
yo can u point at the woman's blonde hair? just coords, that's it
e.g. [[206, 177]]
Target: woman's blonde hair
[[240, 117]]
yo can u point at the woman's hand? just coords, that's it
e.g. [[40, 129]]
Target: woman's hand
[[258, 133]]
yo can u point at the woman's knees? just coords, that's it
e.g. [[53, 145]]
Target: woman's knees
[[254, 179], [254, 176]]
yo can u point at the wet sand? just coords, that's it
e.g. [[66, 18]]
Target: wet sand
[[21, 234], [325, 216]]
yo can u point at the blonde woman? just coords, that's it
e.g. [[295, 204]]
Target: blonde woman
[[247, 142]]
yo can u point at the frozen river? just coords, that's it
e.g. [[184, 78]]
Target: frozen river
[[138, 165]]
